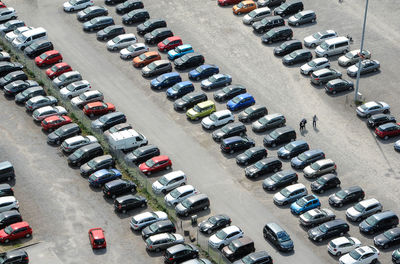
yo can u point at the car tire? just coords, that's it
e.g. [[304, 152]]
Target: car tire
[[50, 130], [338, 254], [28, 235], [175, 97], [231, 151], [72, 10], [276, 169], [164, 192], [321, 191], [285, 203], [148, 173], [157, 250], [184, 109], [312, 21], [143, 205], [129, 57], [183, 183], [313, 45], [333, 92], [6, 241], [273, 145], [297, 24], [340, 205], [168, 167], [186, 214], [205, 207], [326, 56], [212, 127], [386, 111], [238, 13], [58, 142], [374, 261], [368, 115], [91, 30], [359, 199], [320, 239]]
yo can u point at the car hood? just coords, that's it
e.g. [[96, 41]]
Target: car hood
[[179, 208], [308, 170], [19, 97], [287, 244], [206, 83], [219, 94], [141, 27], [268, 182], [56, 81], [353, 212], [352, 69], [215, 240], [230, 104], [143, 166], [130, 157], [296, 161], [204, 226], [173, 53], [309, 39], [241, 157], [315, 185], [64, 91], [343, 59], [125, 52], [52, 136], [171, 91], [85, 168], [191, 112], [246, 18], [279, 197], [111, 43], [97, 123], [251, 169], [293, 19], [156, 185], [146, 69], [146, 231], [314, 232], [305, 67], [364, 226], [334, 198], [347, 259], [67, 5], [218, 133], [295, 207], [287, 58], [3, 234], [207, 121], [80, 14], [380, 239], [283, 152], [257, 125]]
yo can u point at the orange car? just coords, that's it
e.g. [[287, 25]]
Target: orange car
[[145, 58], [244, 7]]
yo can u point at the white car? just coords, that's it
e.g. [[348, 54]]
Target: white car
[[397, 145], [315, 39], [75, 89], [361, 255], [46, 111], [73, 5], [121, 41], [179, 194], [169, 181], [142, 220], [87, 97], [133, 51], [217, 119], [315, 65], [353, 57], [225, 236], [8, 203], [371, 108], [10, 36], [363, 209], [343, 245], [7, 14], [73, 143]]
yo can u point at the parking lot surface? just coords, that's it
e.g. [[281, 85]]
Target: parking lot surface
[[223, 39]]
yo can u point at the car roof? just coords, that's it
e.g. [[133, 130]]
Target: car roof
[[69, 126], [206, 104], [322, 71], [352, 189], [384, 214], [273, 116], [369, 202], [309, 197], [306, 12], [125, 197], [324, 162], [92, 92], [286, 172], [51, 52], [268, 160], [242, 241], [160, 158], [235, 124], [275, 227], [16, 253], [340, 240], [222, 113], [147, 147], [185, 46], [335, 223], [315, 212], [5, 164], [232, 139], [258, 255], [173, 175], [244, 95], [318, 60], [19, 224], [336, 81], [387, 125], [284, 129], [365, 250], [231, 229], [161, 236], [329, 31], [127, 35], [97, 233], [172, 38], [295, 187], [328, 176], [298, 142], [170, 74], [176, 248], [160, 62], [102, 157], [206, 66], [312, 152], [197, 197], [184, 83], [94, 104], [256, 149], [185, 188]]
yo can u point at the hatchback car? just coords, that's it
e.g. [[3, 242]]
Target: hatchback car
[[110, 32], [128, 202], [268, 122], [40, 101], [364, 209], [316, 216], [325, 182], [201, 110], [97, 163], [388, 238], [319, 168], [100, 177], [135, 16], [155, 164], [229, 130], [225, 236], [288, 47], [169, 43], [297, 56], [75, 89], [165, 80], [180, 253], [18, 86], [98, 23], [169, 181], [157, 35], [261, 257], [108, 120], [189, 60], [67, 78], [17, 256], [252, 113], [290, 194], [361, 255], [163, 241], [240, 101], [71, 144], [203, 71], [342, 245], [302, 17], [58, 69], [280, 179], [97, 238], [156, 68], [98, 108], [74, 5], [15, 231], [367, 66], [380, 119], [317, 38], [7, 67], [140, 221], [306, 158], [322, 76], [214, 223], [145, 59], [215, 81], [117, 187], [371, 108], [192, 204], [328, 229], [256, 15], [180, 89], [165, 226], [236, 143], [378, 222], [268, 23], [189, 100], [87, 97], [251, 155], [338, 85], [229, 92], [293, 149], [46, 111], [388, 130], [263, 166], [217, 119], [179, 194], [277, 34], [353, 57], [179, 51], [38, 47], [314, 65], [277, 236], [133, 50], [128, 5], [150, 25], [62, 133], [345, 196], [91, 12], [305, 204], [243, 7], [142, 154]]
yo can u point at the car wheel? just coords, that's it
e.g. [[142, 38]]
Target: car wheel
[[6, 241], [129, 57], [158, 249], [297, 24], [238, 13], [246, 163], [340, 205], [205, 207], [164, 191], [276, 169], [212, 127], [141, 65], [186, 214], [386, 111], [175, 97], [326, 56], [312, 45], [91, 29], [319, 239], [143, 205], [197, 78], [270, 41], [72, 10], [369, 115], [339, 254], [209, 231], [374, 261], [321, 191], [148, 173], [184, 109], [285, 203], [50, 130], [333, 92], [168, 167], [312, 21], [337, 185], [28, 235], [58, 142]]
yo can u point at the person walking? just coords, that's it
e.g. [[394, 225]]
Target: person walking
[[304, 121], [301, 125], [314, 121]]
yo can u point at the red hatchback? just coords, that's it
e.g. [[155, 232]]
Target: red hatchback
[[388, 130], [155, 164], [97, 238], [98, 108], [169, 43], [53, 122], [15, 231], [58, 69], [48, 58], [228, 2], [2, 5]]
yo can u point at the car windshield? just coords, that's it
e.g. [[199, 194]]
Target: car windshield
[[221, 234], [176, 87], [8, 24], [390, 234], [212, 79], [226, 90], [175, 193], [252, 14], [341, 194], [197, 108], [70, 87], [150, 163], [302, 157], [87, 10], [143, 56], [99, 241], [8, 77], [8, 230], [147, 23], [311, 63], [289, 146], [247, 260], [116, 39], [248, 153], [130, 48], [186, 98], [153, 227], [21, 38], [248, 110], [236, 100], [315, 166], [213, 117], [163, 181], [301, 202], [371, 220], [198, 69], [108, 29], [78, 153], [34, 45], [166, 41], [54, 68], [298, 16], [186, 203], [151, 66], [62, 77], [324, 46], [232, 247], [276, 177], [240, 5], [358, 207], [283, 236], [103, 119], [73, 2], [58, 132], [293, 54], [323, 228], [92, 164], [160, 78], [307, 215], [321, 180], [259, 165], [364, 107], [154, 33], [94, 21], [284, 6], [43, 56], [316, 35], [285, 192], [212, 220], [354, 254], [273, 134], [263, 121]]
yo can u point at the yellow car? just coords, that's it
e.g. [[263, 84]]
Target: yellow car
[[201, 110]]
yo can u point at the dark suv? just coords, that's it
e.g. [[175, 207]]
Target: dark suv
[[288, 8], [380, 119], [108, 120], [85, 154], [325, 182], [158, 35], [306, 158], [252, 113], [278, 237], [329, 229], [62, 133], [263, 166], [98, 163], [229, 130], [110, 32], [165, 226], [128, 5], [9, 217], [14, 257], [150, 25], [268, 23], [117, 187], [127, 202], [293, 149], [38, 47], [236, 143], [134, 16], [142, 154], [280, 179], [277, 34], [189, 60], [345, 196], [189, 100], [379, 221], [279, 136], [287, 47], [6, 190], [251, 155], [180, 253]]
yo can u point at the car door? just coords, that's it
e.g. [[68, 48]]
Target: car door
[[367, 258]]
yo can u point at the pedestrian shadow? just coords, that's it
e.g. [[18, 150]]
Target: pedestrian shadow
[[316, 129], [304, 132]]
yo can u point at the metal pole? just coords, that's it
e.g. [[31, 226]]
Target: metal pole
[[361, 50]]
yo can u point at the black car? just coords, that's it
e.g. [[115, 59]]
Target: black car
[[117, 187], [127, 202], [251, 155], [229, 92], [293, 149], [277, 34], [325, 182], [380, 119], [110, 32], [14, 257], [113, 2], [388, 239], [38, 47], [297, 56], [158, 35], [11, 25], [24, 96], [18, 86], [188, 61], [279, 136], [98, 23], [142, 154], [6, 190], [129, 5], [288, 8], [98, 163], [379, 221], [268, 23], [280, 179], [338, 85], [135, 16], [345, 196], [8, 67], [91, 12], [4, 56], [288, 47], [85, 153], [236, 143], [329, 229], [252, 113], [9, 217], [108, 120], [278, 237], [259, 257], [214, 223], [189, 100], [165, 226], [151, 25], [13, 76], [263, 166], [62, 133], [180, 253], [229, 130]]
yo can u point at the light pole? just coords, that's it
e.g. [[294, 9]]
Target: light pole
[[361, 50]]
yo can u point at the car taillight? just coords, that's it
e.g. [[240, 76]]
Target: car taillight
[[334, 249], [26, 258], [150, 246], [135, 225], [226, 148], [11, 189], [335, 166], [119, 206], [108, 193], [330, 88], [171, 259], [317, 79]]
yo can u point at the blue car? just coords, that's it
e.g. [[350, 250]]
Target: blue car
[[180, 51], [203, 71], [305, 204], [180, 89], [241, 101], [103, 176], [215, 81], [165, 80]]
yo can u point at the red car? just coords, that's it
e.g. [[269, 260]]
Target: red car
[[53, 122], [58, 69], [2, 5], [15, 231], [388, 130], [169, 43], [97, 238], [48, 58], [228, 2], [98, 108], [155, 164]]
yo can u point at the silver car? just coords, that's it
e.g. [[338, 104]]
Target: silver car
[[75, 89], [156, 68], [10, 36], [162, 241], [133, 51], [40, 101], [315, 39], [8, 203], [371, 108], [121, 41], [256, 15], [87, 97], [179, 194], [367, 66], [46, 111], [315, 65], [67, 78], [71, 144], [325, 75], [364, 209], [290, 194], [397, 145], [316, 216], [353, 57], [140, 221], [319, 168]]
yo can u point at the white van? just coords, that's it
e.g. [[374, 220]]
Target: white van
[[333, 46], [126, 140], [256, 15], [28, 37]]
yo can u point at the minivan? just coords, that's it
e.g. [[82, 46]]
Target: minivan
[[288, 8], [277, 34], [332, 47], [290, 194], [169, 181], [165, 80], [256, 15], [118, 187], [28, 37], [9, 217], [62, 133], [6, 171], [378, 222], [238, 248], [280, 179], [279, 136], [268, 23], [85, 154], [268, 122], [278, 237], [193, 204], [293, 149]]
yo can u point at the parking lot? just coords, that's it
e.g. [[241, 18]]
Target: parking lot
[[223, 39]]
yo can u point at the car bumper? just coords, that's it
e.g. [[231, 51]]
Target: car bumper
[[362, 114]]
